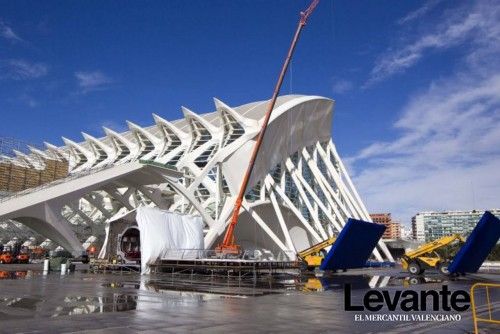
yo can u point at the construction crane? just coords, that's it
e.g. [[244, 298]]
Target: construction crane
[[426, 256], [228, 245], [314, 255]]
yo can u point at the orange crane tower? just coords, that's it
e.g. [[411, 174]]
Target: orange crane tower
[[228, 245]]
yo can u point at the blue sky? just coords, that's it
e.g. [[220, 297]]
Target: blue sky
[[416, 83]]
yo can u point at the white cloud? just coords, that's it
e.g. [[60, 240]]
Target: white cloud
[[446, 154], [419, 12], [467, 23], [90, 81], [341, 86], [9, 34], [18, 69]]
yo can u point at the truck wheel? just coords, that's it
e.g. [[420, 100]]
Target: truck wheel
[[414, 268], [417, 280], [443, 268]]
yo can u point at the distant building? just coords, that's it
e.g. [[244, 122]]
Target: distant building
[[393, 229], [406, 233], [417, 227], [429, 226]]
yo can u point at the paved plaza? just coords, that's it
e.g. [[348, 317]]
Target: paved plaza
[[84, 302]]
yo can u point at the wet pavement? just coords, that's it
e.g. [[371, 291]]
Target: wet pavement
[[31, 302]]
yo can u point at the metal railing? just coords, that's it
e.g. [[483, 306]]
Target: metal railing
[[476, 319], [199, 254]]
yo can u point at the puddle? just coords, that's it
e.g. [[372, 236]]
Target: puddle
[[24, 303], [125, 285], [76, 305], [280, 284], [220, 291], [311, 284], [284, 283], [23, 274], [415, 280], [223, 287]]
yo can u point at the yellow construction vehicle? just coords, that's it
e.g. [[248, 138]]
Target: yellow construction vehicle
[[313, 284], [426, 256], [314, 255]]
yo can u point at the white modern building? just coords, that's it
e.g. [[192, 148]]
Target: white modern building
[[299, 192], [406, 233], [432, 225]]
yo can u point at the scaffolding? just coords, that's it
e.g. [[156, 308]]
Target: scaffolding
[[30, 172]]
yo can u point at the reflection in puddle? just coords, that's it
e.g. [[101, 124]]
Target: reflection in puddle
[[125, 285], [335, 283], [86, 305], [261, 287], [206, 289], [312, 284], [24, 303], [189, 289], [224, 288], [21, 274], [415, 280], [275, 285]]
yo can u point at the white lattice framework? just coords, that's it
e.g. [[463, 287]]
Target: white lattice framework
[[300, 192]]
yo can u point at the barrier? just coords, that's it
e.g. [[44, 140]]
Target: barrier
[[475, 318]]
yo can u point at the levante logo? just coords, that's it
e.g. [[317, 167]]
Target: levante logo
[[409, 300]]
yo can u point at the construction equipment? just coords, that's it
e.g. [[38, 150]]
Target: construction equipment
[[38, 253], [6, 255], [92, 251], [228, 245], [313, 256], [23, 256], [313, 284], [426, 256]]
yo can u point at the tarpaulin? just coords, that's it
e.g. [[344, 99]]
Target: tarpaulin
[[166, 234], [478, 245], [353, 246]]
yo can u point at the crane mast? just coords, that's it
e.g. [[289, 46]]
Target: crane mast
[[228, 245]]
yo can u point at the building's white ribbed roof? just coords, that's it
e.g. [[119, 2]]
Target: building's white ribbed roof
[[252, 110]]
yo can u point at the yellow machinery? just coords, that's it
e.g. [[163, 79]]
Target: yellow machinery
[[426, 257], [314, 255], [313, 284]]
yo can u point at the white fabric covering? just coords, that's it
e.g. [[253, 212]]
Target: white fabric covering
[[167, 234]]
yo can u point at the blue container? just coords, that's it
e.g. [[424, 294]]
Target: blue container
[[353, 246], [478, 245]]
